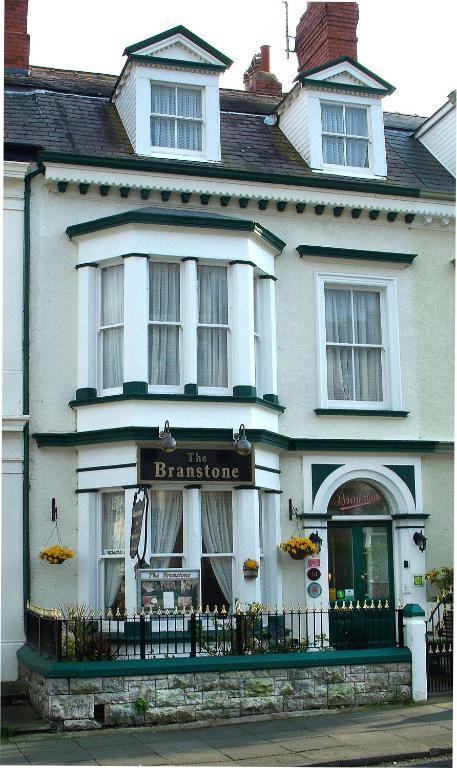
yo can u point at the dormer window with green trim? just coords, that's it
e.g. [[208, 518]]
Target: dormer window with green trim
[[176, 117], [345, 139]]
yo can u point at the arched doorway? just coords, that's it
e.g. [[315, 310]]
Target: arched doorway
[[360, 565]]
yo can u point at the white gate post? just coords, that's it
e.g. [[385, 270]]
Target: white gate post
[[415, 640]]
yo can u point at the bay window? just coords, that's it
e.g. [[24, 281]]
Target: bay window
[[164, 324], [111, 326], [112, 552], [217, 548], [212, 334]]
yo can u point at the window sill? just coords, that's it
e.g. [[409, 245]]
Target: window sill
[[360, 412], [264, 403]]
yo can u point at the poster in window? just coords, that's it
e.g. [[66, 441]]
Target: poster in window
[[168, 589]]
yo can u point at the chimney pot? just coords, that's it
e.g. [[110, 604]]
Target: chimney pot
[[265, 58], [258, 78]]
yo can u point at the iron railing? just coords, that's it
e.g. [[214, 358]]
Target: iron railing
[[84, 635], [439, 632]]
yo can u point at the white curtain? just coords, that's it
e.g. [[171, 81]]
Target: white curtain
[[357, 149], [163, 100], [189, 135], [356, 122], [217, 536], [353, 372], [367, 329], [162, 132], [189, 102], [332, 118], [166, 522], [357, 153], [257, 338], [212, 366], [164, 307], [113, 338], [113, 517], [189, 132]]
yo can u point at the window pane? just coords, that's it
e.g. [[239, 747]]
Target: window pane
[[189, 102], [112, 522], [189, 135], [113, 357], [163, 100], [368, 374], [164, 354], [357, 497], [357, 153], [114, 586], [333, 150], [376, 565], [164, 292], [166, 524], [113, 295], [340, 373], [212, 368], [338, 316], [356, 121], [332, 118], [367, 317], [212, 295], [162, 132]]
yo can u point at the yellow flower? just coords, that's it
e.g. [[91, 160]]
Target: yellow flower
[[56, 553]]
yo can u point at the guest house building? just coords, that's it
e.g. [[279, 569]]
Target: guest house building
[[224, 266]]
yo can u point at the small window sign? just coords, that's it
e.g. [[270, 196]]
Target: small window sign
[[349, 594], [418, 581], [340, 594], [113, 551]]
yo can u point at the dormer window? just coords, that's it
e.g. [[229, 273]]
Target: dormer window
[[176, 117], [344, 135]]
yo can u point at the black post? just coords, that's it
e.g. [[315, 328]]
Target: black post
[[193, 635], [142, 637], [401, 637], [59, 639], [238, 635]]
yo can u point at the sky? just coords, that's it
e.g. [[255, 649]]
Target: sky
[[409, 43]]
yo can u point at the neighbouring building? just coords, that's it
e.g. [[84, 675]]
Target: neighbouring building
[[224, 260]]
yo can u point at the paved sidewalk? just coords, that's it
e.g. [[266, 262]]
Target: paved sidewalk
[[356, 737]]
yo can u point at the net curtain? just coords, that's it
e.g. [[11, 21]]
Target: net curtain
[[217, 536], [164, 307], [113, 338]]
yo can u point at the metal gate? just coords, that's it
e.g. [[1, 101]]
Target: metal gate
[[439, 648]]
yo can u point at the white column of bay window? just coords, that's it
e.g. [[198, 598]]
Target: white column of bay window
[[267, 292], [192, 528], [130, 581], [243, 356], [136, 314], [189, 325], [247, 503], [87, 549], [87, 329]]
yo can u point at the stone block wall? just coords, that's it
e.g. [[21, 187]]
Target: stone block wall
[[78, 703]]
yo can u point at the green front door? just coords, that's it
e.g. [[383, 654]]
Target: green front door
[[361, 572]]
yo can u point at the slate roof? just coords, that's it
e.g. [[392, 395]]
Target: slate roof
[[70, 111]]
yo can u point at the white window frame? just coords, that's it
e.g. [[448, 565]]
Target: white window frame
[[377, 166], [100, 328], [168, 388], [390, 358], [174, 151], [101, 557], [344, 136]]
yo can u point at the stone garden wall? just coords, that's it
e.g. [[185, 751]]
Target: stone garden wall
[[89, 702]]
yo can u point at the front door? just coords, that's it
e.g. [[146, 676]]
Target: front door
[[361, 573]]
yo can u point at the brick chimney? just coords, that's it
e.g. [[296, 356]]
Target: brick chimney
[[258, 78], [17, 41], [325, 32]]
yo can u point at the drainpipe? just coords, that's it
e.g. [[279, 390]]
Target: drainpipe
[[26, 383]]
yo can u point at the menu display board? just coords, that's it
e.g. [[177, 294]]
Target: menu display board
[[167, 589]]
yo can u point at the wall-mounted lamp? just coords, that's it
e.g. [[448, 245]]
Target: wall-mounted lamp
[[242, 444], [166, 439], [293, 512], [420, 540], [316, 539]]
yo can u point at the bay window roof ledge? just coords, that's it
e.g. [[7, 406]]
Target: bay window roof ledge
[[173, 218]]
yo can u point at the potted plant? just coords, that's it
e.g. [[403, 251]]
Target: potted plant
[[298, 547], [56, 554], [251, 568], [443, 578]]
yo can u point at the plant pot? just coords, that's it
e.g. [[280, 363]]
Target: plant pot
[[250, 573], [298, 555]]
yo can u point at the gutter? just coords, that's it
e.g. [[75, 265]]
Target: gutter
[[26, 382]]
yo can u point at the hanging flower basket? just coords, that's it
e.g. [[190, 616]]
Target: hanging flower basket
[[250, 568], [56, 554], [298, 547]]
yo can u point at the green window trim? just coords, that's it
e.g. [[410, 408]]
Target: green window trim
[[360, 412], [356, 254], [136, 391]]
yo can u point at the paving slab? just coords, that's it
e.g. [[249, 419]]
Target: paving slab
[[257, 749], [307, 743]]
